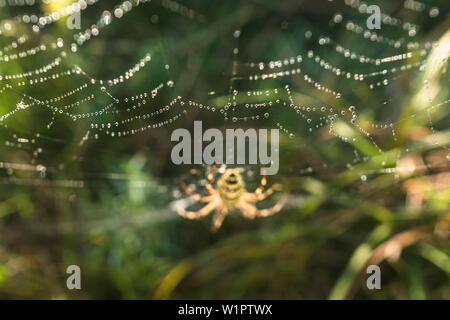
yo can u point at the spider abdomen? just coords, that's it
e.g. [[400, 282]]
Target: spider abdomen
[[230, 187]]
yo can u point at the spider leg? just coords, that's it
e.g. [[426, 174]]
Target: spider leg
[[218, 219], [250, 211], [194, 195], [209, 178], [263, 183], [258, 196], [271, 211], [268, 192], [200, 213]]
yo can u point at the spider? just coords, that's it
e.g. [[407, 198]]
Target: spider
[[230, 193]]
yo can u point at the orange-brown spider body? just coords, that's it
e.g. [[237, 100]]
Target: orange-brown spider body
[[230, 193]]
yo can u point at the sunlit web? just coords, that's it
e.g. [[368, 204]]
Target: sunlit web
[[37, 64]]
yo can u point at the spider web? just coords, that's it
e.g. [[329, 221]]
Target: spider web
[[64, 89]]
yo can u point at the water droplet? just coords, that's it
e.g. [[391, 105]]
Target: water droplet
[[434, 12], [337, 18]]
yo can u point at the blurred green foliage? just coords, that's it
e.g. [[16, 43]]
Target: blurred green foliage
[[117, 223]]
